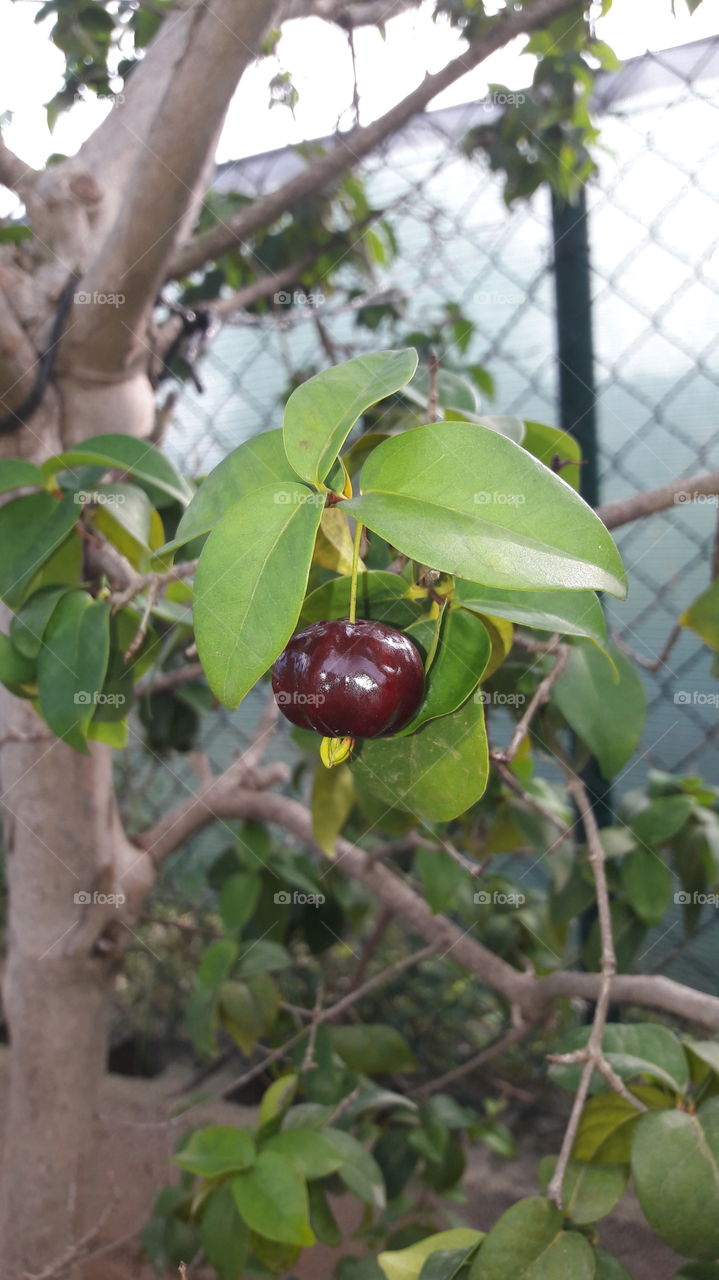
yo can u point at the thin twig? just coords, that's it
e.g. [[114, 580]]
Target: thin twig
[[592, 1055], [515, 785], [540, 696], [169, 679], [650, 664], [472, 1064], [139, 636], [308, 1061]]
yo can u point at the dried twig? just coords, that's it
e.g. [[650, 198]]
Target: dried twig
[[540, 696]]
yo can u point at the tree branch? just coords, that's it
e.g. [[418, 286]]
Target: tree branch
[[354, 146], [679, 492], [226, 798], [14, 172], [540, 696]]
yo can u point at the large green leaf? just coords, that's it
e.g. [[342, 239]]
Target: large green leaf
[[589, 1191], [607, 1124], [252, 465], [548, 443], [225, 1237], [662, 819], [320, 413], [462, 654], [608, 1267], [250, 584], [127, 518], [272, 1199], [648, 884], [72, 664], [608, 716], [15, 668], [372, 1049], [451, 389], [32, 529], [27, 627], [633, 1049], [311, 1153], [529, 1243], [124, 453], [360, 1172], [439, 772], [16, 472], [468, 501], [702, 616], [675, 1166], [333, 797], [406, 1264], [382, 597], [571, 613], [217, 1150]]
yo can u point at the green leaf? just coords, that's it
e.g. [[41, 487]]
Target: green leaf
[[702, 616], [217, 1150], [407, 1264], [277, 1098], [640, 1048], [442, 878], [15, 668], [238, 899], [547, 443], [589, 1191], [225, 1237], [216, 962], [16, 472], [250, 584], [381, 597], [72, 664], [264, 956], [322, 1219], [440, 772], [32, 529], [124, 453], [607, 716], [571, 613], [311, 1153], [320, 413], [28, 625], [648, 884], [333, 796], [127, 518], [675, 1167], [254, 464], [607, 1124], [372, 1049], [360, 1172], [662, 819], [609, 1268], [452, 390], [470, 502], [272, 1199], [460, 661], [529, 1243], [448, 1264], [248, 1009], [703, 1054]]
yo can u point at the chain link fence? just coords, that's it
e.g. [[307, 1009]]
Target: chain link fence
[[653, 228]]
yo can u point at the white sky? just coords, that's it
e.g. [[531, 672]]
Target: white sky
[[317, 57]]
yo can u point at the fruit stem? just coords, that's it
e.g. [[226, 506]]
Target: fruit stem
[[355, 565]]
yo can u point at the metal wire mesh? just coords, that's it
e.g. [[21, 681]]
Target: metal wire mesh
[[655, 284]]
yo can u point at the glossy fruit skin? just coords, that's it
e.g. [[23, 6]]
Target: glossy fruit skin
[[349, 679]]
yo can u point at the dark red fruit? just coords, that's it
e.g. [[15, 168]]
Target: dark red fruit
[[349, 679]]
